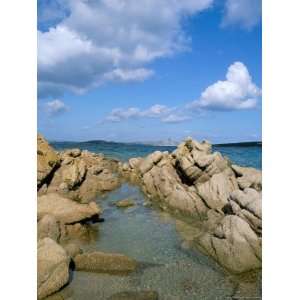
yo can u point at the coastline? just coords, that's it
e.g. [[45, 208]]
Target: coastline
[[82, 176]]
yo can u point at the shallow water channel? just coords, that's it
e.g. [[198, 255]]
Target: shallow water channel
[[168, 264]]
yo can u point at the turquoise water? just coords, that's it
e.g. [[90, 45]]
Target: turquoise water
[[161, 245], [160, 242], [249, 156]]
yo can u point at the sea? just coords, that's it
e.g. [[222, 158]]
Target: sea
[[243, 154]]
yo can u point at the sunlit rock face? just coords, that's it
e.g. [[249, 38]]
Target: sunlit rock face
[[195, 182]]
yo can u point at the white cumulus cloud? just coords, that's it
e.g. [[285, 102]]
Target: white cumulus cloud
[[55, 107], [175, 118], [246, 13], [236, 92], [162, 112], [108, 40]]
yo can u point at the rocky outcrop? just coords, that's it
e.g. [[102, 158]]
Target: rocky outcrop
[[233, 244], [66, 211], [72, 249], [52, 267], [247, 205], [47, 160], [226, 198], [248, 177], [78, 175], [48, 226], [113, 263], [83, 175]]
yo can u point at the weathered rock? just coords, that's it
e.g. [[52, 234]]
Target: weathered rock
[[73, 152], [78, 233], [52, 267], [72, 249], [104, 262], [125, 203], [65, 210], [163, 183], [247, 205], [82, 177], [195, 182], [107, 180], [47, 160], [96, 170], [125, 167], [67, 160], [48, 226], [233, 244], [202, 160], [150, 161], [248, 177], [134, 162], [218, 165], [215, 192], [130, 295], [74, 173]]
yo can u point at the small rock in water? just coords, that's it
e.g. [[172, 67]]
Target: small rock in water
[[185, 245], [97, 261], [142, 295], [125, 203], [147, 204]]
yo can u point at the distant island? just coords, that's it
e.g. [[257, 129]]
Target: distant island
[[166, 143]]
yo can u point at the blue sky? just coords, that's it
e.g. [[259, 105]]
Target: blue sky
[[122, 71]]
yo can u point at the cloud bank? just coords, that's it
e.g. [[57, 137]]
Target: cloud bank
[[162, 112], [109, 40], [246, 13]]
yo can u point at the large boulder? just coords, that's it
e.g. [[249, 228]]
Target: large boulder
[[233, 244], [248, 177], [73, 174], [247, 205], [72, 152], [48, 226], [215, 192], [97, 261], [47, 160], [152, 159], [65, 210], [52, 267], [72, 249], [163, 183]]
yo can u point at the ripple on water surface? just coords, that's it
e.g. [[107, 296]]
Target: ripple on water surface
[[168, 265]]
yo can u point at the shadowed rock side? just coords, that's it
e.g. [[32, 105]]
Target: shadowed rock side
[[47, 160], [203, 185]]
